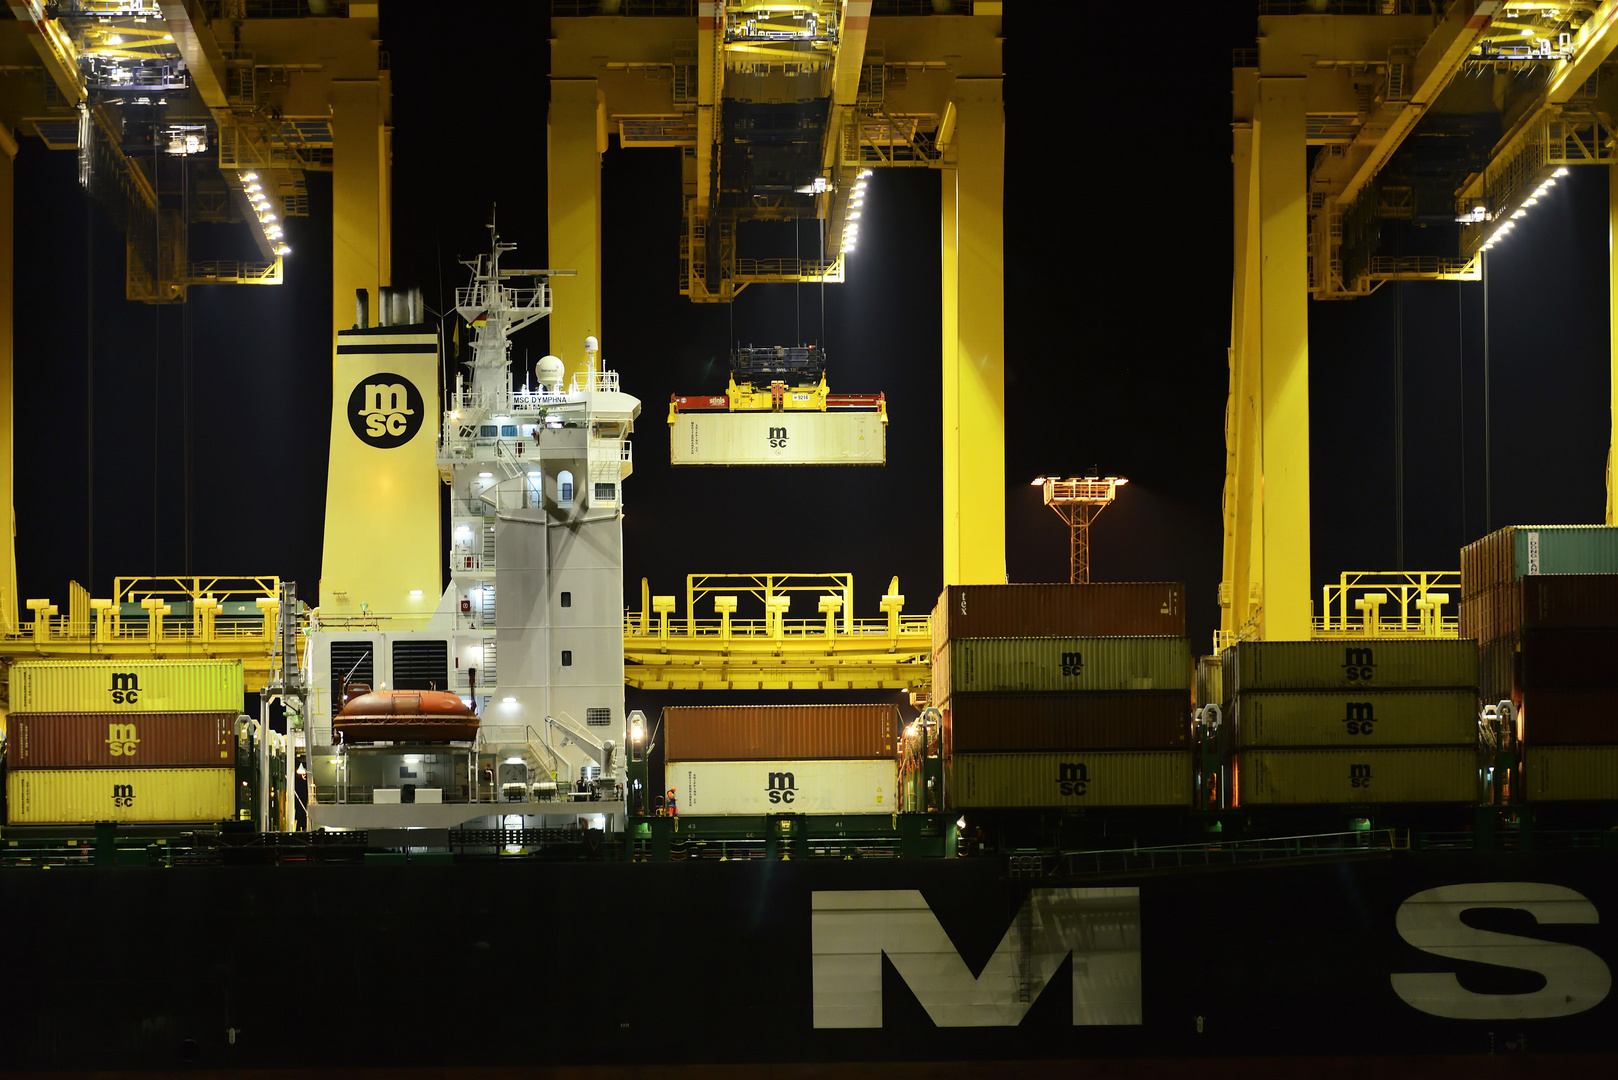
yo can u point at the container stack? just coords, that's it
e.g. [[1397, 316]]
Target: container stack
[[150, 742], [1064, 696], [1351, 722], [1542, 602], [781, 759]]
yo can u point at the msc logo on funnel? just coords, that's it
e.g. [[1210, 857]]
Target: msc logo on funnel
[[385, 410]]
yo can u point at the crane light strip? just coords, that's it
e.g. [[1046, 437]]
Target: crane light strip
[[269, 222]]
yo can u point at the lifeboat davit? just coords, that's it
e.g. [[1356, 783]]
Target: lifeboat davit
[[406, 716]]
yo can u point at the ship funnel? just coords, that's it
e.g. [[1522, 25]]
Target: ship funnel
[[362, 309]]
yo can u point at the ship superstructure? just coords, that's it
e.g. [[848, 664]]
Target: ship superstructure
[[529, 631]]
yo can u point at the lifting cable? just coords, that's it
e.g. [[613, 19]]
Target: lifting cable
[[1460, 366], [1398, 425], [157, 344], [89, 388], [185, 354]]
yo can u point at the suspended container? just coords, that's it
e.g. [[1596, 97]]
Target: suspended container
[[1069, 779], [1351, 777], [1571, 773], [1001, 665], [784, 787], [1365, 718], [117, 686], [1368, 663], [801, 437], [778, 732], [120, 740], [1130, 721], [1507, 555], [133, 796], [1098, 609], [1569, 716]]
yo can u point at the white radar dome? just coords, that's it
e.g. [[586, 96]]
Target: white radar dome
[[549, 370], [591, 344]]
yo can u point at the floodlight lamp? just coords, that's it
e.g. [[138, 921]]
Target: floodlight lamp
[[1038, 481], [1519, 213], [1530, 201], [1119, 481], [1560, 172]]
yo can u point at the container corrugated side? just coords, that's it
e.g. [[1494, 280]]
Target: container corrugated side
[[1360, 664], [120, 740], [1069, 779], [1498, 674], [1569, 716], [1570, 602], [1364, 718], [784, 787], [778, 732], [778, 438], [137, 796], [1570, 773], [1015, 665], [1210, 681], [1098, 609], [1517, 551], [1569, 660], [1128, 721], [101, 686], [1492, 614], [1407, 775]]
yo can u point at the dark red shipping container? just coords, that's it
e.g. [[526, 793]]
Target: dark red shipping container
[[1569, 660], [1570, 602], [1099, 609], [1132, 720], [778, 732], [1552, 717], [119, 740]]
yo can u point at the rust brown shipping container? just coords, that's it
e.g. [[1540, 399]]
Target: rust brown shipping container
[[778, 732], [1569, 716], [1492, 614], [1570, 602], [120, 740], [1137, 720], [1569, 660], [1099, 609]]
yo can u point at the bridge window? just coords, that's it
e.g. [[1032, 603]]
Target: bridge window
[[606, 492], [508, 430], [488, 431]]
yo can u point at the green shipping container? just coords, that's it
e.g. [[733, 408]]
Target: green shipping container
[[1571, 773], [1510, 554], [82, 796], [1069, 779], [1367, 663], [1015, 665], [1362, 718], [1296, 777], [117, 686]]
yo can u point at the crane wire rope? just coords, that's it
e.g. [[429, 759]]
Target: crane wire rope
[[90, 389]]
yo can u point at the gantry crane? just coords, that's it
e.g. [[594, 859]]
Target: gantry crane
[[1357, 86]]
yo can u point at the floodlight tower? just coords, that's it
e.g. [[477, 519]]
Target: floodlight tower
[[1079, 502]]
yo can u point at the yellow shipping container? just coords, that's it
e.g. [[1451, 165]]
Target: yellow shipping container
[[118, 686], [1571, 773], [1071, 778], [82, 796], [1295, 777], [1355, 718]]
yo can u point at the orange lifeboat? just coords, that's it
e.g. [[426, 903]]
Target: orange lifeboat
[[406, 716]]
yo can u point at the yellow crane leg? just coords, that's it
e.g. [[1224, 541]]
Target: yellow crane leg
[[1241, 568], [576, 139], [8, 542], [1612, 282], [1283, 396], [974, 340]]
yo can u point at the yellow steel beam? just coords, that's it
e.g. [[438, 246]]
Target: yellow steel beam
[[1283, 338], [974, 336], [55, 49], [575, 141], [189, 24], [8, 540], [845, 80], [710, 95], [1236, 586], [1612, 359]]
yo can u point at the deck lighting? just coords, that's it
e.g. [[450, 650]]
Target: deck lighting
[[1519, 213], [960, 823], [484, 475], [534, 475], [1530, 201], [1038, 481], [255, 187], [415, 592], [1560, 172], [864, 174], [508, 701], [283, 250]]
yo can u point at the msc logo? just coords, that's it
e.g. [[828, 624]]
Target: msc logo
[[1359, 718], [125, 688], [1072, 663], [1073, 778], [122, 740], [782, 787], [1359, 665], [1359, 776], [778, 438], [123, 794], [385, 410]]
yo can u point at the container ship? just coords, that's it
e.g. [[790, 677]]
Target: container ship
[[1079, 845]]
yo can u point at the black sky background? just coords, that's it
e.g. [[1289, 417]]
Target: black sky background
[[1117, 306]]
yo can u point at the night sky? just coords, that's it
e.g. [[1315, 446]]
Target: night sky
[[1118, 270]]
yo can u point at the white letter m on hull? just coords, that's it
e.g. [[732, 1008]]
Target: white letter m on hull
[[852, 931]]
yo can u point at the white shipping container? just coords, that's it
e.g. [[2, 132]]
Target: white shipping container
[[784, 787], [778, 438]]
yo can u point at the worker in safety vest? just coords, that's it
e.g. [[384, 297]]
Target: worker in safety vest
[[668, 805]]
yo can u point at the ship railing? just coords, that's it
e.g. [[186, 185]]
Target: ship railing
[[1215, 853], [1393, 604], [718, 629]]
